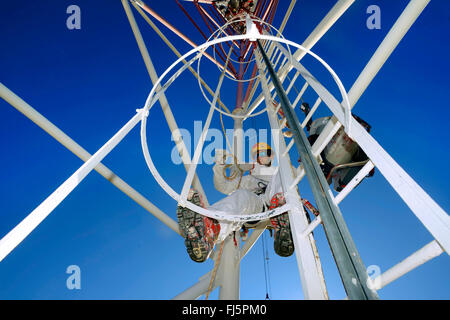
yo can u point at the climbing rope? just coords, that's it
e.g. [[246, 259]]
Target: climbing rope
[[266, 266], [213, 276]]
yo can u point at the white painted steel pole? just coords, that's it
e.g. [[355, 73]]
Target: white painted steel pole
[[354, 182], [319, 31], [425, 254], [287, 15], [24, 228], [199, 147], [76, 149], [196, 290], [150, 11], [390, 42], [311, 275], [432, 216], [387, 46], [181, 147], [178, 54], [327, 22], [251, 240], [229, 268]]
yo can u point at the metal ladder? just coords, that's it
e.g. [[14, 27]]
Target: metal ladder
[[352, 270]]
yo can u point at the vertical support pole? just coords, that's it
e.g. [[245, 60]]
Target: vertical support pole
[[230, 265], [309, 266], [231, 254], [351, 268]]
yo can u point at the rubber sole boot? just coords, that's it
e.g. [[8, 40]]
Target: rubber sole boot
[[283, 243], [199, 232]]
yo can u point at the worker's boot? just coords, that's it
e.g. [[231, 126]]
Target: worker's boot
[[283, 243], [199, 232]]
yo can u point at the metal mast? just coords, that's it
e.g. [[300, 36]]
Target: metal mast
[[268, 54], [351, 268]]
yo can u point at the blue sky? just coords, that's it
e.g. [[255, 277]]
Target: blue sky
[[89, 82]]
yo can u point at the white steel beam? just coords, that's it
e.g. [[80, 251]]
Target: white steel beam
[[229, 268], [392, 39], [311, 112], [425, 254], [311, 275], [24, 228], [390, 42], [292, 82], [198, 289], [287, 16], [76, 149], [319, 31], [313, 225], [178, 54], [199, 147], [230, 264], [354, 182], [432, 216], [184, 153], [169, 26], [254, 236]]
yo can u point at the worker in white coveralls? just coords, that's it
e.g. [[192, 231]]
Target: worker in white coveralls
[[255, 192]]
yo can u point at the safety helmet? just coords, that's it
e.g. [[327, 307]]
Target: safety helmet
[[259, 147]]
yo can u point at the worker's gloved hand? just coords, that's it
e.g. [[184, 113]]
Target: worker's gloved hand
[[305, 108], [220, 156], [246, 166]]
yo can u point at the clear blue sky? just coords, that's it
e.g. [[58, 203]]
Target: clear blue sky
[[90, 81]]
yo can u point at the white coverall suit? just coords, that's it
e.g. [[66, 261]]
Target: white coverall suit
[[253, 196]]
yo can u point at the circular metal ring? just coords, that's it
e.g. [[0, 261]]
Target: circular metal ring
[[219, 215]]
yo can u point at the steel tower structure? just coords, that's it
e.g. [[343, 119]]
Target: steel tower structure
[[244, 43]]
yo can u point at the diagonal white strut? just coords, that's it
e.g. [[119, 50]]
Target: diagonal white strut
[[319, 31], [199, 148], [432, 216], [181, 147], [80, 152], [24, 228], [390, 42]]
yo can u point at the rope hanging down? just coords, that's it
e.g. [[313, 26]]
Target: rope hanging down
[[266, 267], [213, 276]]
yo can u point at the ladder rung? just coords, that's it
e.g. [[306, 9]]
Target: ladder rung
[[311, 112], [354, 182], [296, 181], [305, 86], [278, 108], [292, 82], [313, 225], [288, 148]]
